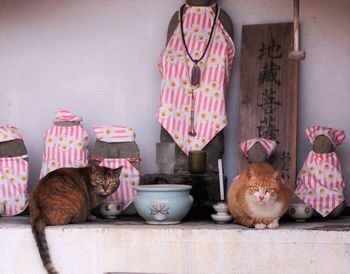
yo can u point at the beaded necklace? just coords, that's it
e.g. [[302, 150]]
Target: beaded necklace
[[196, 71]]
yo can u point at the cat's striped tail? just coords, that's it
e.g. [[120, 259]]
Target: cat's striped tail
[[38, 229]]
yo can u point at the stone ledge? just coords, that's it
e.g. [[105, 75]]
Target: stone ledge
[[129, 245]]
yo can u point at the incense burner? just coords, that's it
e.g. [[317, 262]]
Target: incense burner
[[163, 204]]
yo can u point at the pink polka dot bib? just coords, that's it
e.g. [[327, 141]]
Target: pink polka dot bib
[[206, 100]]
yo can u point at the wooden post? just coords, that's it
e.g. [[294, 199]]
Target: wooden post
[[269, 92]]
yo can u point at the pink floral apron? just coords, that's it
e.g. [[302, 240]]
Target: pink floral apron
[[320, 181], [13, 176], [176, 90], [65, 146]]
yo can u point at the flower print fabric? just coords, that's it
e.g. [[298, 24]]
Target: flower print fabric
[[176, 90], [114, 134], [268, 145], [64, 115], [65, 146], [320, 182], [129, 177], [8, 133], [13, 184], [334, 135], [13, 175]]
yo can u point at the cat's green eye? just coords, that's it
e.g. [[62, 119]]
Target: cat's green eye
[[268, 190], [255, 188]]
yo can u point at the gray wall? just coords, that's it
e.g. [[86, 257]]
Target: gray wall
[[98, 59]]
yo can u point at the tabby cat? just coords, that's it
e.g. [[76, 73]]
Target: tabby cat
[[65, 196], [258, 197]]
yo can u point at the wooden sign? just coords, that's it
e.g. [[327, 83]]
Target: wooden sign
[[269, 93]]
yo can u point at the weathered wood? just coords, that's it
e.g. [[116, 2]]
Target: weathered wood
[[269, 92]]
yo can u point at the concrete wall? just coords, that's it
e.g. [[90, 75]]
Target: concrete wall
[[98, 59]]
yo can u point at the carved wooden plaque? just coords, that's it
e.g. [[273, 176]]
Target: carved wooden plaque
[[269, 93]]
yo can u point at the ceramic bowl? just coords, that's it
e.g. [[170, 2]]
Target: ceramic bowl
[[300, 211], [163, 204], [221, 218], [111, 210], [2, 208]]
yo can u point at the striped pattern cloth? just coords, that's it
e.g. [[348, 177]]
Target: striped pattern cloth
[[176, 91], [8, 133], [334, 135], [129, 177], [13, 184], [114, 134], [65, 146], [320, 182], [64, 115], [268, 145]]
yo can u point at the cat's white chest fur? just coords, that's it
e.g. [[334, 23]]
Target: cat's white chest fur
[[269, 209]]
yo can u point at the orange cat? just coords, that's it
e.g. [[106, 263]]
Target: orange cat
[[258, 197]]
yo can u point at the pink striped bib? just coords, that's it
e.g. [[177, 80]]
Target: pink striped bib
[[176, 90], [320, 182], [129, 177], [13, 184], [65, 146]]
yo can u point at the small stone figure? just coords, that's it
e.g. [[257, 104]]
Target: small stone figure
[[320, 183], [258, 149]]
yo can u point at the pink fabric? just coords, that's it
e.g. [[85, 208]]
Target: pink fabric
[[114, 134], [13, 184], [8, 133], [320, 182], [129, 177], [268, 145], [65, 146], [176, 90], [64, 115], [334, 135]]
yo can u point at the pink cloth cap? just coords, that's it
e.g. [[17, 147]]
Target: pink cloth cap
[[114, 134], [334, 135], [8, 133], [64, 115], [268, 145]]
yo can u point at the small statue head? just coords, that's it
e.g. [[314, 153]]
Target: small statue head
[[258, 149], [324, 139]]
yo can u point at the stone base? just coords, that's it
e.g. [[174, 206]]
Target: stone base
[[128, 245], [205, 189]]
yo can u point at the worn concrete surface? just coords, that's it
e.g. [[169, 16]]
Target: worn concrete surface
[[129, 245]]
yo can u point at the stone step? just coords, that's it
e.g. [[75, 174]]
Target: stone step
[[128, 245]]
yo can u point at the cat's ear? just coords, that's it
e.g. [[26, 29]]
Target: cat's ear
[[95, 168], [116, 172], [251, 172], [276, 175]]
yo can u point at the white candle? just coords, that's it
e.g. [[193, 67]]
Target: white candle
[[221, 180]]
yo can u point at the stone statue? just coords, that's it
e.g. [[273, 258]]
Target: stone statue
[[215, 147]]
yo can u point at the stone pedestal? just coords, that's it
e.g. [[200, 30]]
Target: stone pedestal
[[205, 189]]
